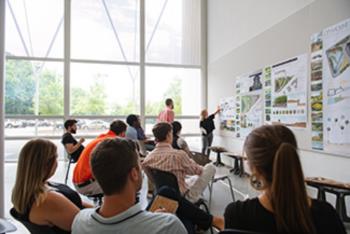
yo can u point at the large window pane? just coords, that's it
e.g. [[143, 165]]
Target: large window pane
[[105, 30], [34, 28], [93, 127], [173, 31], [98, 89], [182, 85], [33, 127], [33, 87]]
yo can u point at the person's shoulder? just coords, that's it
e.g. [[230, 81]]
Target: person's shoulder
[[165, 222], [81, 219], [241, 207], [322, 207]]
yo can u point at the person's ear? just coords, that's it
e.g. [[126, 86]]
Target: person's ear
[[122, 134], [135, 174]]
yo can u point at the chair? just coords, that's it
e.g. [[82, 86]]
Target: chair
[[33, 228], [238, 231], [70, 161], [214, 180], [164, 178]]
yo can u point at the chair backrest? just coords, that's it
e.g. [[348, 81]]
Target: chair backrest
[[238, 231], [33, 228], [164, 178]]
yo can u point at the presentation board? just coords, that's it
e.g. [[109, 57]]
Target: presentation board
[[227, 114], [330, 89], [286, 93], [251, 102]]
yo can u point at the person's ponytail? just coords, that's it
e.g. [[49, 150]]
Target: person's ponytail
[[288, 193]]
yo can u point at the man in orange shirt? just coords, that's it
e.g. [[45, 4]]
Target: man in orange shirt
[[168, 114], [83, 180]]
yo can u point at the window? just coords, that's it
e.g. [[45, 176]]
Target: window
[[100, 89], [33, 88], [173, 31], [105, 30], [182, 85], [34, 28]]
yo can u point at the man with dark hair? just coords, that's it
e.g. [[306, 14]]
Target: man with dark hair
[[135, 132], [83, 179], [116, 167], [71, 145], [168, 114], [134, 123], [165, 158]]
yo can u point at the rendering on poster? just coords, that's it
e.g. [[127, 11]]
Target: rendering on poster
[[336, 83], [251, 102], [288, 92], [228, 114]]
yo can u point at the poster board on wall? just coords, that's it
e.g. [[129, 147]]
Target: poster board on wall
[[330, 89]]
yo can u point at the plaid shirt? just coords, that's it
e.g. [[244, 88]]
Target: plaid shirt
[[165, 158]]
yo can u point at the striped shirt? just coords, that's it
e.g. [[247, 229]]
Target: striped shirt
[[166, 115], [165, 158]]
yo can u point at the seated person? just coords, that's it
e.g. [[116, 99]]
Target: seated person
[[72, 146], [135, 132], [283, 206], [38, 201], [115, 165], [165, 158], [83, 180], [179, 142]]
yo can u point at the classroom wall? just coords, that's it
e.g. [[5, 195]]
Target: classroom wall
[[244, 35]]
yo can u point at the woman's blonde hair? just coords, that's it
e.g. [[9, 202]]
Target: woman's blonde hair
[[202, 114], [35, 165]]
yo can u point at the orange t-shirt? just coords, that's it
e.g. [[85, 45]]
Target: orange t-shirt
[[82, 170]]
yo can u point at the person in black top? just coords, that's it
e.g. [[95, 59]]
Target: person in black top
[[35, 199], [178, 142], [72, 146], [283, 206], [207, 127]]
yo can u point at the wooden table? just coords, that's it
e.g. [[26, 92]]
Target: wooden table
[[238, 168], [218, 150], [340, 189]]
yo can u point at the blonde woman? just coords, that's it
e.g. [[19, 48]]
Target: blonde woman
[[207, 127], [38, 201]]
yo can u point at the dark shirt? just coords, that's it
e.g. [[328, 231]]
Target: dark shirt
[[252, 216], [65, 191], [140, 134], [67, 138], [208, 124], [174, 144]]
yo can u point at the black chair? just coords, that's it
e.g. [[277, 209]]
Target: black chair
[[70, 161], [33, 228], [163, 178], [238, 231]]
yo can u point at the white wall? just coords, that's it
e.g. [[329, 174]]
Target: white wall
[[244, 35], [233, 22]]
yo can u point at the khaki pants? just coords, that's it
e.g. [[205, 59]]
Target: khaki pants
[[196, 189]]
